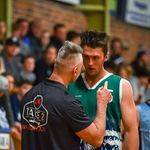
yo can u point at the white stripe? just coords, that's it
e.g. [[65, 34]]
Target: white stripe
[[120, 90], [110, 90], [94, 86]]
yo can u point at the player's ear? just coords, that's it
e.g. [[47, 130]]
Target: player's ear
[[75, 70]]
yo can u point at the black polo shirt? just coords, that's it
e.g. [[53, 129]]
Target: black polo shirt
[[50, 118]]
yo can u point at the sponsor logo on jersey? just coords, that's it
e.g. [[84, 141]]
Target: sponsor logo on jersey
[[78, 96], [35, 113], [112, 140]]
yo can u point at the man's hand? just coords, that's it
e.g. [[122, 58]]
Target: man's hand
[[103, 95]]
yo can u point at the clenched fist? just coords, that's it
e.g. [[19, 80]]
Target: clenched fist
[[103, 94]]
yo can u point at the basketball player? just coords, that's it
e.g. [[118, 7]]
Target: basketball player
[[120, 108]]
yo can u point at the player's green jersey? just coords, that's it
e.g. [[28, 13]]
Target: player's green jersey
[[87, 96]]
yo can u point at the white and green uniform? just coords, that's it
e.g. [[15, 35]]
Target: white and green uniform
[[87, 96]]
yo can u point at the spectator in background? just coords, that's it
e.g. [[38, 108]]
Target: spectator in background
[[2, 33], [15, 99], [6, 117], [116, 48], [143, 111], [24, 28], [147, 90], [126, 71], [9, 55], [45, 39], [17, 33], [2, 66], [11, 83], [59, 35], [143, 77], [37, 27], [110, 66], [44, 66], [74, 37], [6, 113], [122, 71], [28, 66], [141, 62]]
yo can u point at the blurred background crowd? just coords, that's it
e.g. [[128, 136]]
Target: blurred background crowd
[[28, 52]]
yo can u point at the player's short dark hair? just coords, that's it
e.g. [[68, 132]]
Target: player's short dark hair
[[95, 39]]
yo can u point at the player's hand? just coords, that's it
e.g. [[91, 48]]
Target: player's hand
[[103, 94]]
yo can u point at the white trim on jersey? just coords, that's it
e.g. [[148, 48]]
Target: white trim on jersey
[[96, 84], [120, 90]]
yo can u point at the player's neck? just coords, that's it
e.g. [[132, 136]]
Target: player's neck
[[92, 80]]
